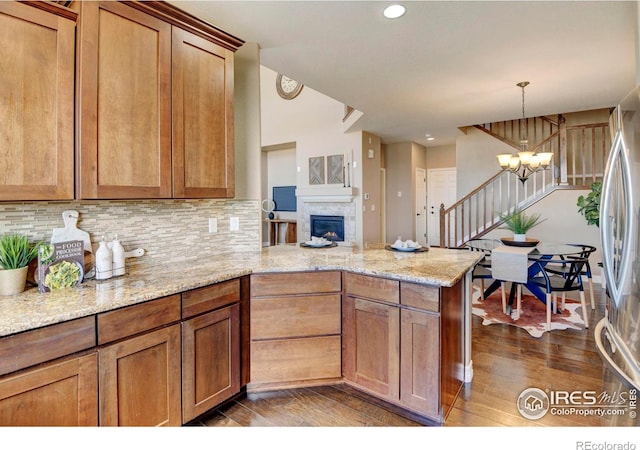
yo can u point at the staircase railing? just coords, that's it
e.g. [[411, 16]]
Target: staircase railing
[[538, 130], [480, 211], [580, 154]]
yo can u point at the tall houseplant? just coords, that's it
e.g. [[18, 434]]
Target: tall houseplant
[[15, 255], [589, 206], [519, 223]]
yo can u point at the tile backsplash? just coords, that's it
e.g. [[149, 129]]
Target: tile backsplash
[[168, 230]]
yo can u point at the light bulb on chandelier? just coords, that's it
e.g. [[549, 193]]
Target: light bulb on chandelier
[[526, 162]]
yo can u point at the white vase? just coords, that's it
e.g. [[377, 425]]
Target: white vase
[[13, 281], [520, 237]]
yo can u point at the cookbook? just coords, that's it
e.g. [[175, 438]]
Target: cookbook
[[60, 265]]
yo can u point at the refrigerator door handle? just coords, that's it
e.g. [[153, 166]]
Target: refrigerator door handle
[[618, 154], [622, 375]]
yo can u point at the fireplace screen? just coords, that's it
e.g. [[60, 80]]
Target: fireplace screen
[[321, 225]]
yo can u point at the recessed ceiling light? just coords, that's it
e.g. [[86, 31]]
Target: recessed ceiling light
[[431, 139], [394, 11]]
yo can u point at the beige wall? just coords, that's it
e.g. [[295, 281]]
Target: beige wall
[[418, 161], [476, 159], [402, 159], [371, 214], [247, 121], [586, 117], [441, 157]]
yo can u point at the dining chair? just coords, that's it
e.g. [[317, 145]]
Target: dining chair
[[482, 270], [563, 269], [552, 282]]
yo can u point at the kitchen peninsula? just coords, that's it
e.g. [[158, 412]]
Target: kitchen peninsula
[[330, 310]]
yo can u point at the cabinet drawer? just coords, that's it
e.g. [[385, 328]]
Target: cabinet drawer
[[265, 284], [295, 359], [372, 287], [210, 297], [420, 296], [37, 346], [118, 324], [280, 317]]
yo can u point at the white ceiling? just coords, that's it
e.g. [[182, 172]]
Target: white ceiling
[[442, 65]]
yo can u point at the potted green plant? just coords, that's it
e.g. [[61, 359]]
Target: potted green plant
[[519, 223], [15, 255], [589, 206]]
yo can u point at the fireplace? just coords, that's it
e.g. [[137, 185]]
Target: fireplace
[[320, 225]]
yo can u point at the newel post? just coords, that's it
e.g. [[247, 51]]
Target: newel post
[[562, 128], [442, 225]]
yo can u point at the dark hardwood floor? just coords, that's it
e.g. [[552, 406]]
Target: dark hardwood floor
[[506, 361]]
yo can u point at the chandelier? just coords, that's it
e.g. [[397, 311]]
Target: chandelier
[[526, 162]]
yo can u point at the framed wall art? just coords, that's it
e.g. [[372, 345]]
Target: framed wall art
[[316, 170], [335, 169]]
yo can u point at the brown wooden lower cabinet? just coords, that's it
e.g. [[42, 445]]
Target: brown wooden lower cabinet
[[210, 360], [419, 361], [62, 393], [140, 380], [370, 346], [396, 352], [295, 329]]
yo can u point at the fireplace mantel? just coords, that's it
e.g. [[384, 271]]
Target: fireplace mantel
[[336, 194]]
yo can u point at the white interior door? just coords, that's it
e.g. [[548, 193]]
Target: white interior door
[[421, 206], [441, 188]]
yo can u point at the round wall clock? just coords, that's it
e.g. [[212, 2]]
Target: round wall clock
[[288, 88]]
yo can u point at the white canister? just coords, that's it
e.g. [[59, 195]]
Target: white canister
[[104, 261], [117, 257]]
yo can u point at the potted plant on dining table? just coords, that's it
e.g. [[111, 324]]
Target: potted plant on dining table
[[519, 222]]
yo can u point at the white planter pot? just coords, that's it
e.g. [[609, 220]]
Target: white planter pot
[[13, 281], [520, 237]]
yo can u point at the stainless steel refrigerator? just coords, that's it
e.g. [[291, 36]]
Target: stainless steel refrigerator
[[618, 334]]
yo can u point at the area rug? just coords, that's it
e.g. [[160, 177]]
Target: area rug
[[534, 314]]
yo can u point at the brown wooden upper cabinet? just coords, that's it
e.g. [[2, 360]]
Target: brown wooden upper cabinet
[[137, 62], [37, 47], [203, 157]]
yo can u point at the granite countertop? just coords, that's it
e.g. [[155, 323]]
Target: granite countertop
[[32, 309]]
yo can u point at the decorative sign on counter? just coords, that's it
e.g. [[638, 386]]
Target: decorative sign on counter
[[60, 265]]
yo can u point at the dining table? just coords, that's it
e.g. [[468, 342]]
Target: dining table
[[530, 251]]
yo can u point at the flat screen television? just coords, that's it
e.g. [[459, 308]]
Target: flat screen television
[[285, 198]]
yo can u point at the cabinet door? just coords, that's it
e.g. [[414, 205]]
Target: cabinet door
[[125, 103], [203, 155], [371, 346], [420, 362], [37, 49], [59, 394], [140, 380], [210, 360]]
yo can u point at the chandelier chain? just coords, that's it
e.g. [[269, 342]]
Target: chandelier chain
[[523, 127]]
